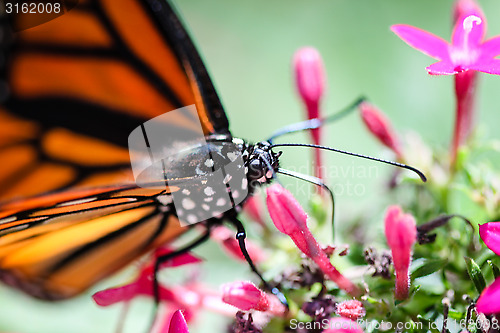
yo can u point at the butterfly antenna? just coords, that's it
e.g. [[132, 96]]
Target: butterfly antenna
[[315, 122], [316, 181], [399, 165]]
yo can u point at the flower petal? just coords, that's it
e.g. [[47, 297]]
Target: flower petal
[[423, 41], [490, 48], [181, 259], [442, 68], [488, 301], [114, 295], [178, 323], [245, 296], [490, 234], [491, 66]]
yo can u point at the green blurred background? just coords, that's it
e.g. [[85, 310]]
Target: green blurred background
[[248, 46]]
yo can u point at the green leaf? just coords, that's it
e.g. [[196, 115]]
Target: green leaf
[[475, 274], [430, 266], [494, 268], [318, 210], [454, 314]]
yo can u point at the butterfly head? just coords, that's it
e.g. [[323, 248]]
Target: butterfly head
[[261, 162]]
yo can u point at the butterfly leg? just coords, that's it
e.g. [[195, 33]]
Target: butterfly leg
[[156, 285], [240, 236]]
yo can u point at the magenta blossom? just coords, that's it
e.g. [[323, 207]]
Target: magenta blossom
[[401, 234], [177, 324], [143, 284], [467, 50], [490, 234], [289, 218], [466, 54], [488, 302], [310, 82], [246, 296]]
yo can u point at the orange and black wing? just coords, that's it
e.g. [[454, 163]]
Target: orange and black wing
[[75, 87], [56, 246]]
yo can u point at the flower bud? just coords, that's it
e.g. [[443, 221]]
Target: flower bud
[[378, 124], [401, 234], [310, 82], [289, 217]]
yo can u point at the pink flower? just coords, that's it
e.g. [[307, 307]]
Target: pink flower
[[351, 309], [466, 54], [253, 208], [401, 234], [226, 238], [378, 124], [246, 296], [177, 324], [467, 50], [289, 217], [342, 325], [310, 81], [490, 234], [488, 302], [143, 284]]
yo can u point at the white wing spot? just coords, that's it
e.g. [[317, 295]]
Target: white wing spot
[[232, 156], [205, 207], [188, 204], [208, 199], [191, 218], [221, 202], [209, 191], [186, 192], [209, 163], [236, 194], [244, 183]]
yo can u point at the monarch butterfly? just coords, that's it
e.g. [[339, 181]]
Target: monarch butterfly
[[73, 90]]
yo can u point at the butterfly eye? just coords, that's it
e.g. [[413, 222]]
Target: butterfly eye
[[256, 169]]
